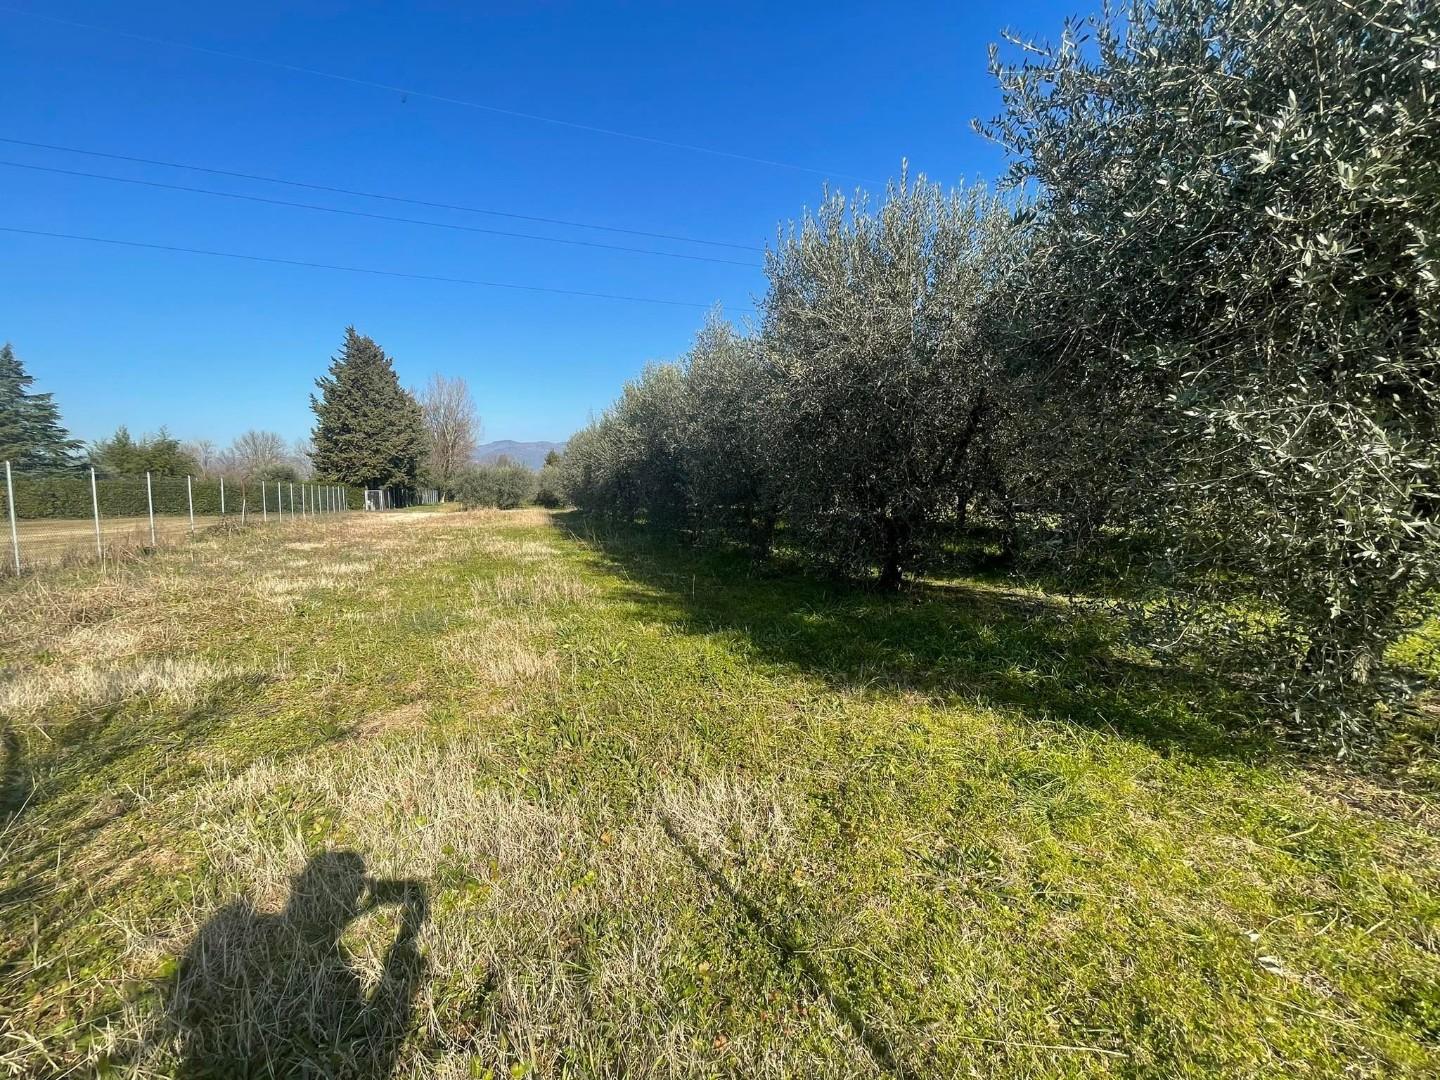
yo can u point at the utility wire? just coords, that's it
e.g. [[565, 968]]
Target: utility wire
[[376, 217], [353, 269], [496, 109], [375, 195]]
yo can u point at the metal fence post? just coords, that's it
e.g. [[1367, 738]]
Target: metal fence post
[[10, 502], [150, 505], [264, 511], [190, 502], [95, 506], [222, 497]]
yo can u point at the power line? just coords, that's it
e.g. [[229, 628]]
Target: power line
[[375, 195], [496, 109], [375, 217], [354, 269]]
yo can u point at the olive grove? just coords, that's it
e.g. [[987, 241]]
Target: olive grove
[[1201, 323]]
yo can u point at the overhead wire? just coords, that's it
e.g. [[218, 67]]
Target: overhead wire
[[373, 216], [355, 269], [427, 95], [376, 195]]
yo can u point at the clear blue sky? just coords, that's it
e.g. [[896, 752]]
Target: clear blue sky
[[210, 347]]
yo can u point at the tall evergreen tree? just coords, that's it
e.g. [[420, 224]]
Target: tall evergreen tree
[[369, 432], [31, 437], [161, 454]]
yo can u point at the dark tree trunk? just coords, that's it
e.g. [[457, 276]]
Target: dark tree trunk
[[762, 535], [896, 535], [962, 510], [1007, 521]]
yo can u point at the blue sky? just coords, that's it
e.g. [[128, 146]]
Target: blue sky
[[209, 347]]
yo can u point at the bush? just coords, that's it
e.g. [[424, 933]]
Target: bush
[[505, 485]]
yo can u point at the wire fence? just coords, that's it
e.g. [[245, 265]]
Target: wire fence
[[85, 518]]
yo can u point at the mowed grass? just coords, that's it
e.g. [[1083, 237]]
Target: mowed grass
[[637, 811]]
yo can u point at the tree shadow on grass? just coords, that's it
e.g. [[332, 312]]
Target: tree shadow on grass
[[953, 641], [15, 785], [791, 952], [275, 995], [82, 777]]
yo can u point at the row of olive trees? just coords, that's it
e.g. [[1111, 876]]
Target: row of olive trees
[[1206, 330], [863, 414]]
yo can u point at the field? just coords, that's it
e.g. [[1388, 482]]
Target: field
[[500, 794], [52, 540]]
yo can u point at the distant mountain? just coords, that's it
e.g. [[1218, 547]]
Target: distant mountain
[[526, 453]]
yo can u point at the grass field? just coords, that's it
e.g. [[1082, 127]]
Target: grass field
[[494, 795], [52, 540]]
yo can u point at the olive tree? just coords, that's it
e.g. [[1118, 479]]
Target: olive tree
[[1233, 301], [726, 436], [875, 325], [630, 462]]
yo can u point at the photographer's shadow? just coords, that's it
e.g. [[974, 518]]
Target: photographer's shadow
[[275, 995]]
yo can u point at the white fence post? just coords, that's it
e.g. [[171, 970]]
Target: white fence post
[[292, 501], [190, 501], [10, 502], [150, 505], [222, 498], [95, 506], [264, 510]]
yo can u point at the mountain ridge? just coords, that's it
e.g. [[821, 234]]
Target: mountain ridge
[[529, 454]]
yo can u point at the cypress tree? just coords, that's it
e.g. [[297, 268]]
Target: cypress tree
[[31, 437], [369, 432]]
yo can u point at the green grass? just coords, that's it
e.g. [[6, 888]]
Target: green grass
[[672, 816]]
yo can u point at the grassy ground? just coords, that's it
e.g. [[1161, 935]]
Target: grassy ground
[[45, 541], [490, 795]]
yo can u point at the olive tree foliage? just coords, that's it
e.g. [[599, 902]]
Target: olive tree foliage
[[502, 485], [885, 376], [550, 483], [630, 463], [1232, 318], [726, 436]]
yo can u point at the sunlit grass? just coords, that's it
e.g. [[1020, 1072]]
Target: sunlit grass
[[670, 816]]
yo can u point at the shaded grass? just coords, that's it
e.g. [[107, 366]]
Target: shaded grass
[[677, 817]]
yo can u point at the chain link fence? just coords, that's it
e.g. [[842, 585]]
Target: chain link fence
[[83, 517]]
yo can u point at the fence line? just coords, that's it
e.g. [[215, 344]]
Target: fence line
[[56, 526]]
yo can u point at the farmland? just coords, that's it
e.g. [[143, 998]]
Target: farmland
[[512, 794]]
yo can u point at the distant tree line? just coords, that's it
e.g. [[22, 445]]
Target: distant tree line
[[369, 433], [1199, 329]]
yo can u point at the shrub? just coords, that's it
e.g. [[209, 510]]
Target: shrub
[[504, 485]]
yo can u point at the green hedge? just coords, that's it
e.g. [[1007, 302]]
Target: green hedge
[[69, 496]]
